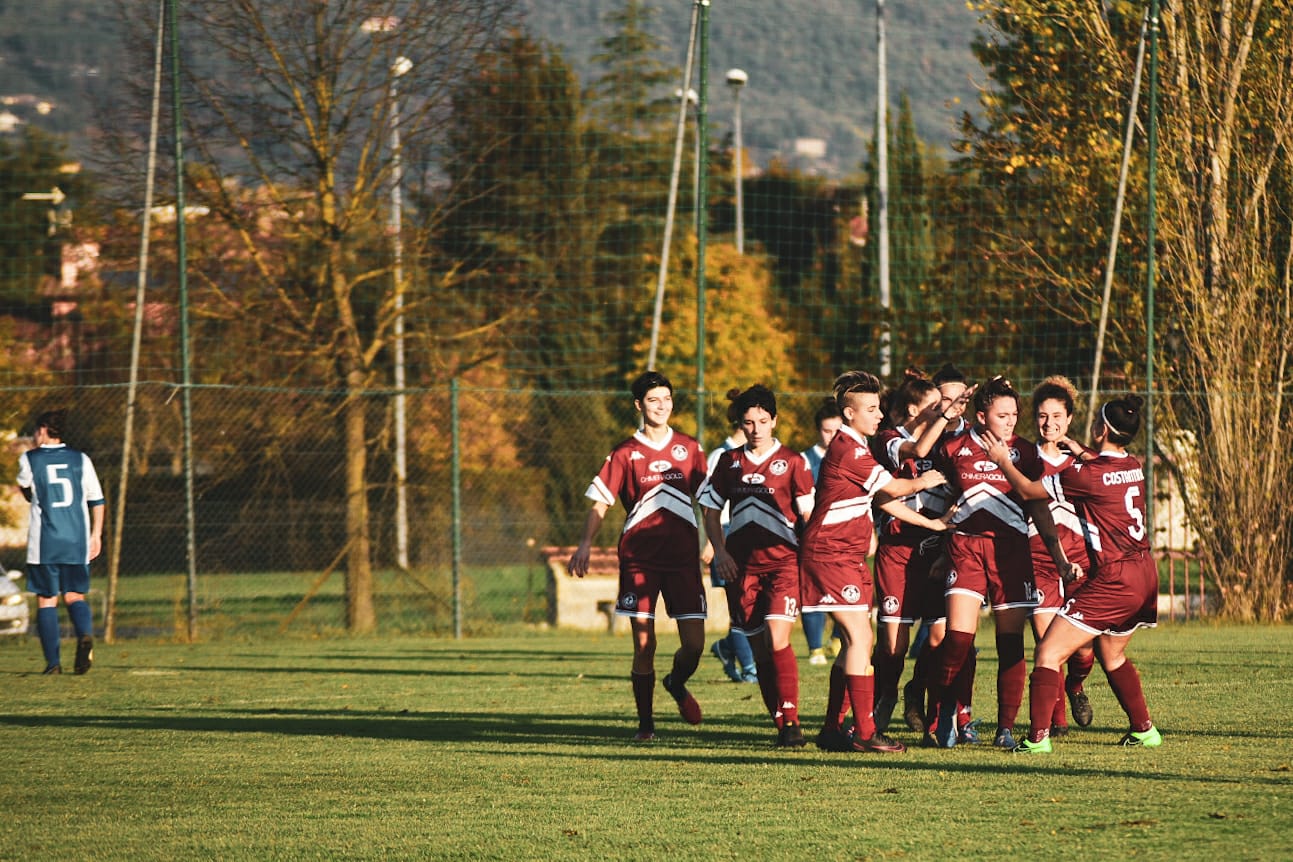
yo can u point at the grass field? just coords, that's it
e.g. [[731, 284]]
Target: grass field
[[519, 748]]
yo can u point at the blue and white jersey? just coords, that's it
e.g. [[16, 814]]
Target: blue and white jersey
[[64, 486]]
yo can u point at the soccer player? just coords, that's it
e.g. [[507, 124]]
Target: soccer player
[[906, 553], [827, 420], [65, 534], [768, 488], [656, 473], [834, 574], [1120, 595], [1053, 405], [733, 649], [988, 558]]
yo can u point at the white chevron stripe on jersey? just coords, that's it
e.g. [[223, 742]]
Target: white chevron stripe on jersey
[[1064, 515], [848, 510], [708, 497], [983, 497], [661, 498], [754, 512]]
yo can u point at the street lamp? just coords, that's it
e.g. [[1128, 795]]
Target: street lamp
[[401, 67], [736, 79], [693, 101]]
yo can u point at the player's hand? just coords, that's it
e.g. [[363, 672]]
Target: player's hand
[[1072, 573], [724, 566], [955, 407], [933, 478], [945, 522], [998, 451], [96, 547], [578, 565]]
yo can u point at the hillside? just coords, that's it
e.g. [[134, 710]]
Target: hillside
[[811, 64]]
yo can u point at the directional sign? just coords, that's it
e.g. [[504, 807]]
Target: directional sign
[[54, 196]]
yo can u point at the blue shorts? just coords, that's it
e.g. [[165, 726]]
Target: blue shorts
[[52, 579]]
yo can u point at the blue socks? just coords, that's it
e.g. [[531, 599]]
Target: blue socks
[[47, 629], [82, 622]]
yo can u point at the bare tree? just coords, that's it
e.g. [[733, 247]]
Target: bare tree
[[287, 110], [1226, 205]]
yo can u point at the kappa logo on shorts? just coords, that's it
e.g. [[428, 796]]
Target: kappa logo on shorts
[[851, 594], [778, 467], [891, 605], [679, 452], [629, 601]]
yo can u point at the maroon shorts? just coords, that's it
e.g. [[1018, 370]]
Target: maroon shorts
[[1050, 587], [903, 588], [683, 593], [996, 568], [1118, 599], [835, 585], [759, 596]]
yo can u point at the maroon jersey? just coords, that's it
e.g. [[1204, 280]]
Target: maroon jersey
[[932, 502], [840, 526], [656, 484], [987, 504], [1109, 494], [1067, 524], [766, 493]]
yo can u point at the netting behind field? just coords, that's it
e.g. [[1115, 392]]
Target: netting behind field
[[424, 192]]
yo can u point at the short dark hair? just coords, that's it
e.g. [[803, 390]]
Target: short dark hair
[[854, 381], [53, 421], [1122, 415], [949, 373], [757, 395], [827, 410], [646, 382], [997, 387]]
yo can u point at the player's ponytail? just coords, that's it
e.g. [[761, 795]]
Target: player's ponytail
[[1122, 417]]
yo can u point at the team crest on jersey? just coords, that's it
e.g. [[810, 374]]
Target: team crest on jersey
[[754, 478], [660, 466], [891, 605], [629, 601], [851, 594], [679, 452], [778, 467]]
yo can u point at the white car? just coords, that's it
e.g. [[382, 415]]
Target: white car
[[14, 613]]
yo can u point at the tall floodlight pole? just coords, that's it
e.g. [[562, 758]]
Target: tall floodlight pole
[[672, 204], [736, 79], [693, 100], [400, 68], [186, 365], [1149, 281], [702, 221], [882, 189]]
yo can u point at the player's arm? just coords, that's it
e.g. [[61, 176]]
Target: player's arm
[[1028, 489], [895, 489], [578, 565], [724, 566], [96, 528], [900, 510], [1037, 502]]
